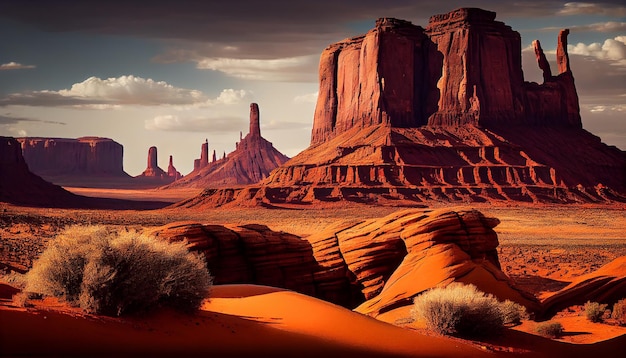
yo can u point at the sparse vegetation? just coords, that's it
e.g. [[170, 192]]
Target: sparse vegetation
[[594, 311], [512, 312], [550, 329], [463, 310], [119, 272], [619, 312]]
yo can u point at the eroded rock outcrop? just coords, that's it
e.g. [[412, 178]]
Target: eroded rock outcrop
[[441, 114], [380, 263], [252, 161], [152, 169], [85, 156], [171, 170]]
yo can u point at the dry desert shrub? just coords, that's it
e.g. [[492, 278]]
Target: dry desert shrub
[[459, 310], [513, 313], [550, 329], [594, 311], [119, 272], [619, 312]]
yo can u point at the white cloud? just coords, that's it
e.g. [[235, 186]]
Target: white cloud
[[113, 93], [15, 66], [306, 98], [132, 90], [230, 96], [280, 69], [177, 123], [611, 49], [584, 8]]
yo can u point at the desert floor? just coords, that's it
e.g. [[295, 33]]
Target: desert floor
[[543, 248]]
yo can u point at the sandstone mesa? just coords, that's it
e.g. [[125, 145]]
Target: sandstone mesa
[[407, 114]]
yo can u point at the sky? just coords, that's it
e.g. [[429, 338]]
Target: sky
[[174, 73]]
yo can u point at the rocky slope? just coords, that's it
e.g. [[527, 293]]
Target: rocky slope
[[252, 161], [407, 114], [380, 264], [20, 186]]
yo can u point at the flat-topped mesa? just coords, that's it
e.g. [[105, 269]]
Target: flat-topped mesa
[[464, 68], [153, 169], [78, 157]]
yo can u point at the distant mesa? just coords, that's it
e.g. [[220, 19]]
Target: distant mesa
[[62, 159], [252, 161], [18, 185], [407, 114]]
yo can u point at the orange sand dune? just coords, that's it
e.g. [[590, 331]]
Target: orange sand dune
[[247, 320], [239, 320]]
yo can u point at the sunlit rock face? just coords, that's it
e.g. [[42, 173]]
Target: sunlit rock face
[[442, 113]]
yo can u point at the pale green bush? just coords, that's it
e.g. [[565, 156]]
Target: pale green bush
[[619, 312], [594, 311], [459, 310], [114, 273], [550, 329]]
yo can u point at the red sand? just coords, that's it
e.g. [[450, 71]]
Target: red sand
[[246, 320]]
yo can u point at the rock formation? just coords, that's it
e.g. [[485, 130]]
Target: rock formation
[[85, 156], [442, 114], [379, 264], [153, 170], [171, 170], [18, 185], [251, 162]]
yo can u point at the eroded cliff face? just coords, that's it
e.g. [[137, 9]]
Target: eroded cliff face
[[441, 114], [85, 156], [464, 68], [252, 161]]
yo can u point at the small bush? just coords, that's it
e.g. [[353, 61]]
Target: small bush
[[459, 310], [550, 329], [114, 273], [619, 312], [595, 311], [512, 313]]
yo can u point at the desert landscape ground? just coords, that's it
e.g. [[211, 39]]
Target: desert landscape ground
[[542, 249], [434, 166]]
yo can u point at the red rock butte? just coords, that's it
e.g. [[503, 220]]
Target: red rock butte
[[252, 161], [442, 114], [80, 157]]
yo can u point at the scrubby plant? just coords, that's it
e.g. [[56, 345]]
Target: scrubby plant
[[619, 312], [550, 329], [594, 311], [119, 272], [512, 312], [459, 310]]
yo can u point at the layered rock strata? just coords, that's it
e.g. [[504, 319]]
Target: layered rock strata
[[441, 114], [252, 161], [380, 264]]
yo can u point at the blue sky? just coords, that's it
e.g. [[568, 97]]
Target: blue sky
[[172, 73]]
